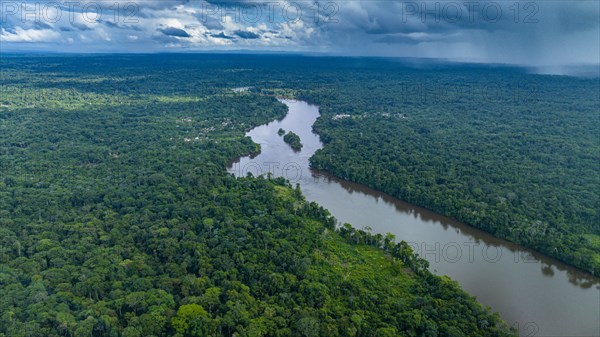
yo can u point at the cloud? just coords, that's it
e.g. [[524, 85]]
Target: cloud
[[19, 34], [222, 35], [416, 38], [210, 22], [40, 25], [172, 31], [80, 26], [538, 33], [246, 34], [115, 25], [478, 31]]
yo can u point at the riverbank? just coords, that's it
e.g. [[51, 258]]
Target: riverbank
[[561, 300]]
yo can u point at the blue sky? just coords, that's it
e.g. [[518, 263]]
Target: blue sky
[[538, 33]]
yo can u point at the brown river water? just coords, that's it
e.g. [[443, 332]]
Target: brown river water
[[536, 294]]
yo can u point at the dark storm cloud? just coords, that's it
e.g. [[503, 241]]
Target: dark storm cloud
[[534, 32], [384, 17], [577, 16], [175, 32], [393, 17]]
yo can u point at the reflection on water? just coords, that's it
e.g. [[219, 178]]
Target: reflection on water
[[548, 265], [547, 270], [539, 295]]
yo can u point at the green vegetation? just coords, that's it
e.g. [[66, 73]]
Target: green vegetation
[[281, 132], [293, 140], [516, 155], [118, 218], [512, 153]]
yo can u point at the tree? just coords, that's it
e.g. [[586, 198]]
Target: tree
[[308, 326], [191, 320]]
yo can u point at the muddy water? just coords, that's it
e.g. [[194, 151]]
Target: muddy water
[[538, 295]]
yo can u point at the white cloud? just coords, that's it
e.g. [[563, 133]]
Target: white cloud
[[28, 35]]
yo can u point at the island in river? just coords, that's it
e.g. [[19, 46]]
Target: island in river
[[293, 140]]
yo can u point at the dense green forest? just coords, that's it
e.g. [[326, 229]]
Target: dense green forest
[[118, 218], [293, 140], [514, 154]]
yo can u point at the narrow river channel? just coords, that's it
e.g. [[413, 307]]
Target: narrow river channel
[[538, 295]]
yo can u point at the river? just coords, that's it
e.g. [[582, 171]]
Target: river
[[536, 294]]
